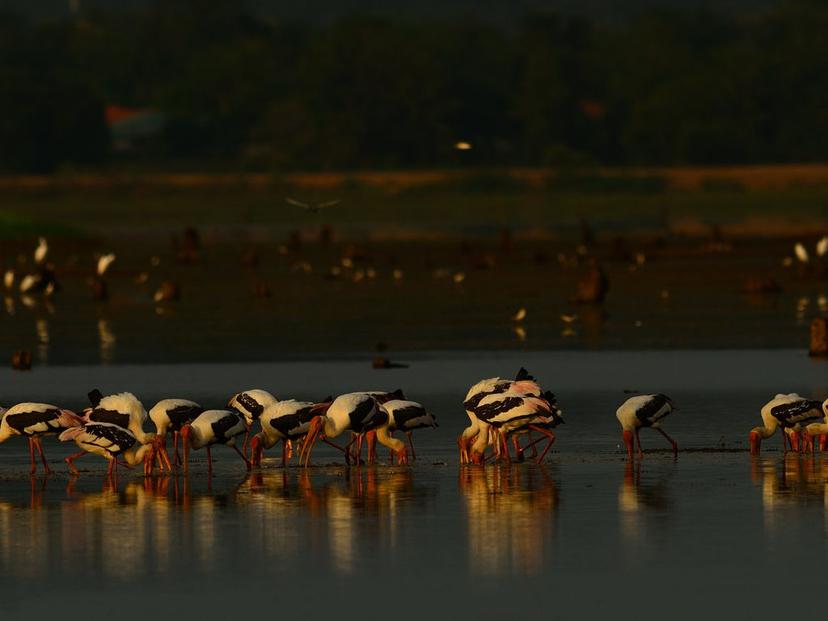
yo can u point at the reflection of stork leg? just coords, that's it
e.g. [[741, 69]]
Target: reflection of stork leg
[[669, 439], [411, 444]]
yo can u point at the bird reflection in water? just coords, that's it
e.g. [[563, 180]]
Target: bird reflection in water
[[334, 517], [636, 498], [511, 517], [790, 483]]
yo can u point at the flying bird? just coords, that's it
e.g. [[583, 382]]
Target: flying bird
[[312, 207]]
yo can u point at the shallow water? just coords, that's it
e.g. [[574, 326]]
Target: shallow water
[[582, 535]]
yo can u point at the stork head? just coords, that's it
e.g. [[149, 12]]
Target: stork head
[[754, 442], [629, 441]]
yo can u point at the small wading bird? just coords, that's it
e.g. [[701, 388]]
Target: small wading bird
[[213, 427], [523, 384], [357, 412], [287, 421], [644, 411], [110, 442], [312, 208], [790, 412], [171, 415], [34, 420]]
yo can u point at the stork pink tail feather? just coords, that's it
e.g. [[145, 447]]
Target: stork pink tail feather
[[70, 434], [68, 418]]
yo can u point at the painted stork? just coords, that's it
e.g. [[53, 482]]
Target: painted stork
[[171, 415], [644, 411], [510, 413], [405, 416], [110, 442], [251, 403], [286, 421], [213, 427], [789, 411], [34, 420], [523, 384], [818, 429], [357, 412]]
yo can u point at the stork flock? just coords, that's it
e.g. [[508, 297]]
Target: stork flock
[[502, 413]]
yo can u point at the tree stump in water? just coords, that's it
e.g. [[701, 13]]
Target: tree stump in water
[[819, 337]]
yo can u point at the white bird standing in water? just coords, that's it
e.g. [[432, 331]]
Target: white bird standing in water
[[251, 404], [819, 428], [789, 411], [286, 421], [801, 253], [34, 420], [523, 384], [357, 412], [110, 442], [171, 415], [213, 427], [644, 411]]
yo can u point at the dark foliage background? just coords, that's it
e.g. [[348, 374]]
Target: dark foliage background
[[241, 89]]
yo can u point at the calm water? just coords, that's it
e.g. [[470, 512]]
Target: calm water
[[582, 535]]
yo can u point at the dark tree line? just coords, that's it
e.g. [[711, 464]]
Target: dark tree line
[[241, 91]]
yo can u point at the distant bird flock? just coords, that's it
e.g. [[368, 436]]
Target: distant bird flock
[[507, 418]]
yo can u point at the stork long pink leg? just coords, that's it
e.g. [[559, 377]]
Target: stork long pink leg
[[246, 461], [70, 461], [209, 462], [549, 435], [176, 456], [411, 445], [39, 446], [669, 439], [33, 468], [638, 441]]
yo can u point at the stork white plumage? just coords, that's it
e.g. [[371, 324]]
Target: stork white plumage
[[523, 384], [251, 403], [508, 413], [33, 421], [170, 415], [213, 427], [110, 442], [792, 413], [407, 416], [357, 412], [284, 421], [818, 428], [644, 411]]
